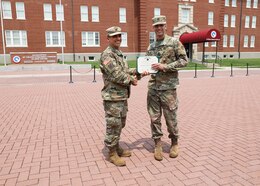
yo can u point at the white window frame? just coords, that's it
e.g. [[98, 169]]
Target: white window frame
[[83, 13], [245, 41], [20, 10], [95, 13], [233, 21], [122, 15], [252, 41], [211, 1], [124, 39], [232, 41], [157, 11], [253, 24], [7, 10], [226, 20], [206, 44], [12, 41], [210, 18], [234, 3], [186, 13], [255, 4], [152, 37], [247, 22], [225, 39], [49, 38], [88, 39], [182, 19], [248, 3], [59, 12], [47, 11], [226, 2]]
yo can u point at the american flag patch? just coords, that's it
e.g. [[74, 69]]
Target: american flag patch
[[106, 61]]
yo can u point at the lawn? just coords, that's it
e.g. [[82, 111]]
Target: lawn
[[255, 63], [132, 64]]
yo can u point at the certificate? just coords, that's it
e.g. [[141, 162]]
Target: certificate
[[145, 64]]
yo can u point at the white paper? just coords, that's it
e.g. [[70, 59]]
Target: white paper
[[145, 64]]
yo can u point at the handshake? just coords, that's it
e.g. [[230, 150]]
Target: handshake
[[138, 76]]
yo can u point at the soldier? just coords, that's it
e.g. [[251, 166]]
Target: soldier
[[117, 79], [162, 95]]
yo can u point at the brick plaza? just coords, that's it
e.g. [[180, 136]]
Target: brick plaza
[[52, 132]]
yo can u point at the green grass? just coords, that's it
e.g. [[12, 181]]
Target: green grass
[[132, 64], [238, 62]]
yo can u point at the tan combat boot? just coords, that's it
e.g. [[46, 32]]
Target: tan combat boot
[[115, 159], [174, 151], [158, 150], [122, 152]]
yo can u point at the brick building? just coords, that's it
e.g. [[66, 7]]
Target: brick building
[[76, 28]]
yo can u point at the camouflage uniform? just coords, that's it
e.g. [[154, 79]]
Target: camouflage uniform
[[117, 79], [162, 93]]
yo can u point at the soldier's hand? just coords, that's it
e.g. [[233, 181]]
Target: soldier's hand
[[134, 82], [145, 73], [158, 66]]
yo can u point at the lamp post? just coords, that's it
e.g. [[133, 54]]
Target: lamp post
[[2, 26], [61, 34]]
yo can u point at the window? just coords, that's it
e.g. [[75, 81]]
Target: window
[[255, 4], [20, 12], [185, 15], [224, 40], [232, 41], [234, 3], [122, 15], [124, 39], [152, 37], [254, 22], [59, 12], [247, 22], [211, 1], [246, 41], [16, 38], [7, 11], [54, 38], [47, 12], [157, 11], [226, 2], [233, 21], [252, 42], [84, 13], [91, 58], [210, 18], [225, 20], [206, 44], [248, 3], [95, 13], [213, 44], [90, 39]]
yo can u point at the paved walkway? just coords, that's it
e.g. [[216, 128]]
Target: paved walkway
[[52, 131]]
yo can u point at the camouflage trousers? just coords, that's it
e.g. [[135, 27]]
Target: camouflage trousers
[[166, 102], [115, 115]]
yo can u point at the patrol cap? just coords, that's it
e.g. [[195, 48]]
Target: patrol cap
[[159, 20], [114, 30]]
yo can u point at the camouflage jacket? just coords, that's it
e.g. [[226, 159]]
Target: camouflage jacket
[[117, 76], [172, 53]]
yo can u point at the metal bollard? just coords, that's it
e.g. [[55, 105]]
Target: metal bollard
[[231, 73], [213, 70], [195, 76], [247, 70], [71, 75], [94, 80]]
